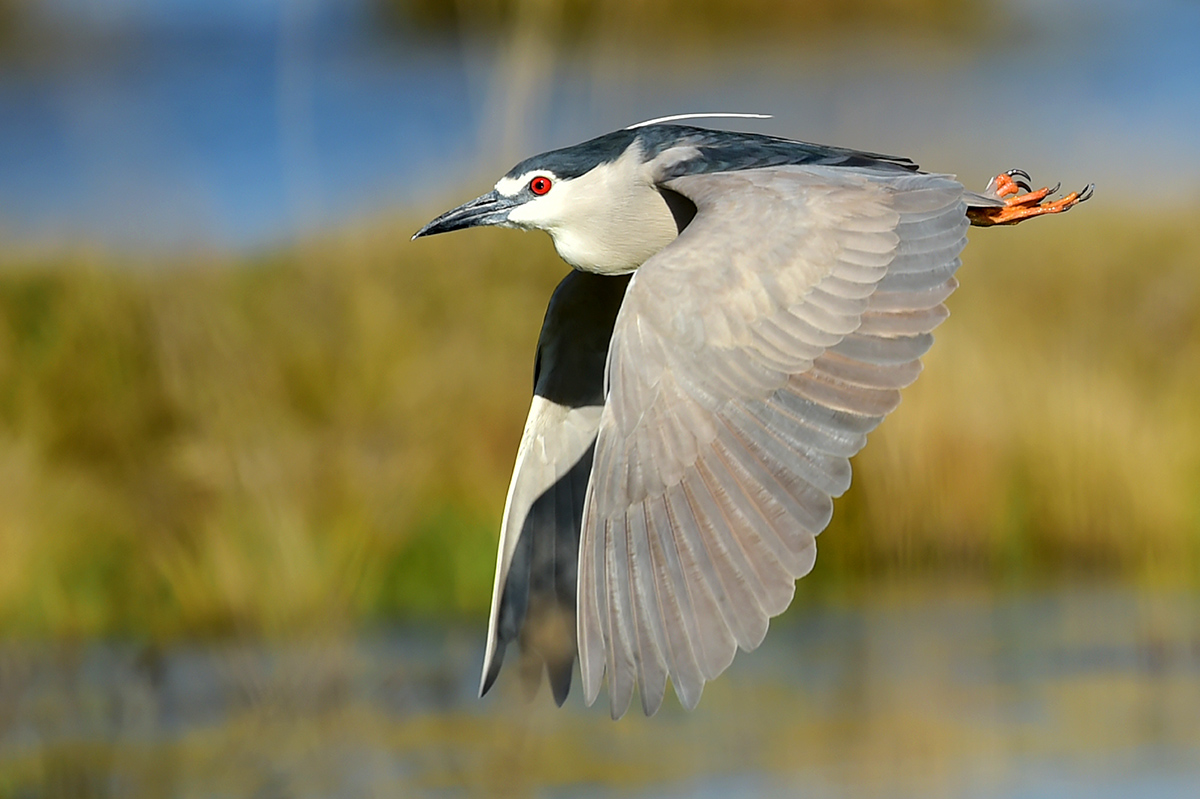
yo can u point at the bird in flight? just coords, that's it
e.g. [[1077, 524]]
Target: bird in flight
[[742, 311]]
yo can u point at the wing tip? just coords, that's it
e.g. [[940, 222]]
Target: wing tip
[[618, 706], [491, 668], [559, 675], [689, 695]]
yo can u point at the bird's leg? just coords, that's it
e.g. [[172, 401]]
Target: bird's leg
[[1018, 207]]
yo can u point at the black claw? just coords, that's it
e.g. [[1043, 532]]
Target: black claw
[[1087, 193], [1054, 190], [1021, 178]]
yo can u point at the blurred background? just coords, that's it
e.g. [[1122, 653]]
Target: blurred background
[[254, 444]]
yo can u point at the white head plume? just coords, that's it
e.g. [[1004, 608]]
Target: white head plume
[[712, 115]]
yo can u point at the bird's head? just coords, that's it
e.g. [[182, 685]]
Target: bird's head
[[598, 200]]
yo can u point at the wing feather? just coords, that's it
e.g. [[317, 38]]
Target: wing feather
[[620, 621], [710, 571], [748, 363], [775, 449], [927, 280], [648, 633], [681, 637], [846, 370], [882, 351], [758, 470], [738, 525]]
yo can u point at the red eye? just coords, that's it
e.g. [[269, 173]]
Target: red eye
[[539, 185]]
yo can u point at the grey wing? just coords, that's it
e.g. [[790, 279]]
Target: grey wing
[[749, 361], [533, 598]]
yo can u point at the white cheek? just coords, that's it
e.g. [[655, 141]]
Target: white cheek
[[521, 216], [540, 213]]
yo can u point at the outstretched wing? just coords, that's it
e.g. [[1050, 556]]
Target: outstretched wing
[[750, 359], [533, 599]]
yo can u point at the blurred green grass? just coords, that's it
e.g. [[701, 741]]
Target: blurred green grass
[[322, 436], [684, 24]]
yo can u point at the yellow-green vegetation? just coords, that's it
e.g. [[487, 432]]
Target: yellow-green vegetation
[[323, 435], [680, 24], [1057, 423]]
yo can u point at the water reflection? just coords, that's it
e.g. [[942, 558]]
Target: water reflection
[[933, 692]]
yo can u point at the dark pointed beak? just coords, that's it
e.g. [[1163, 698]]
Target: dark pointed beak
[[490, 209]]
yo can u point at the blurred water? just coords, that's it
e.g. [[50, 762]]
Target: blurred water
[[183, 122], [939, 691]]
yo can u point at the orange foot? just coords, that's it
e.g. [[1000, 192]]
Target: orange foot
[[1019, 207]]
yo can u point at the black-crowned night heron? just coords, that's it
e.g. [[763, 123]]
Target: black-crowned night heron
[[742, 311]]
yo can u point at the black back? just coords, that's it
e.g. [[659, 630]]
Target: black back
[[718, 151]]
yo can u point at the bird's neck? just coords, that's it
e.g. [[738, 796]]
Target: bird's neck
[[620, 236]]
